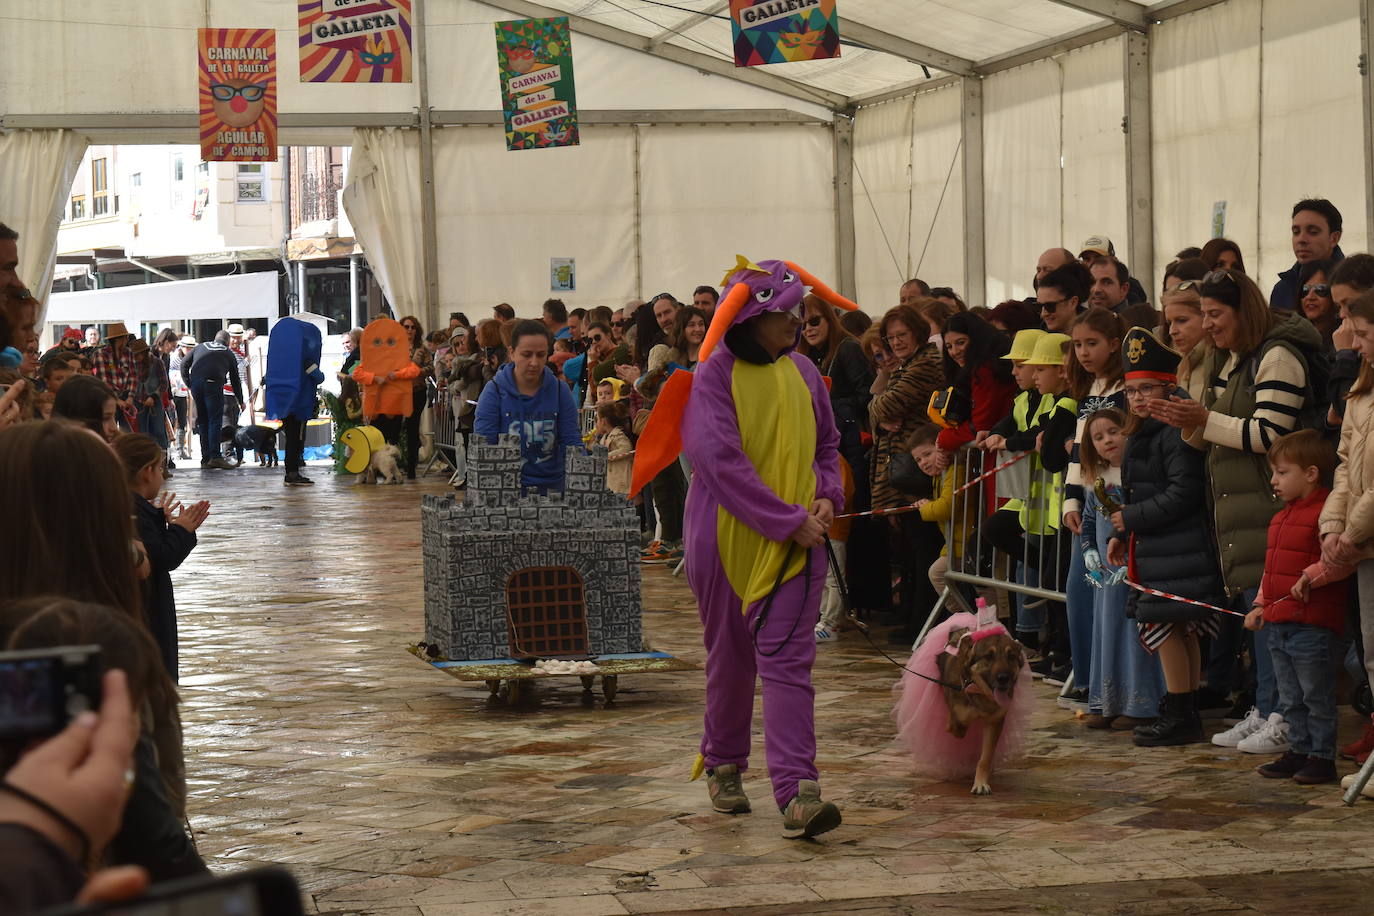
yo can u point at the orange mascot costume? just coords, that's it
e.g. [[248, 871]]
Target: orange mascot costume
[[384, 373]]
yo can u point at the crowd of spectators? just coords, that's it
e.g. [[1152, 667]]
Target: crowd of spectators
[[1195, 536]]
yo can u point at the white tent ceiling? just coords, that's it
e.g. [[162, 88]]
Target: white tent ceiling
[[888, 43], [75, 56], [1239, 104]]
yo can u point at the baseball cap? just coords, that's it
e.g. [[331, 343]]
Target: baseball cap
[[72, 334], [1099, 244]]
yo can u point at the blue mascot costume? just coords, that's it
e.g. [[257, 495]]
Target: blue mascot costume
[[293, 376]]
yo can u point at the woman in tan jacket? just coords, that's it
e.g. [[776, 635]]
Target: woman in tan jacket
[[1347, 521]]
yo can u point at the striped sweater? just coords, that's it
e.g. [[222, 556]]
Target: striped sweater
[[1280, 386]]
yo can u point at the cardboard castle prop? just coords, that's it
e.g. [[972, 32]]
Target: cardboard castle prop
[[510, 573]]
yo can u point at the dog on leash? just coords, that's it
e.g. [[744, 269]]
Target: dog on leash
[[964, 704], [262, 440], [983, 666], [383, 465]]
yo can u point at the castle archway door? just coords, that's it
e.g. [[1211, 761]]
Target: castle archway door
[[546, 613]]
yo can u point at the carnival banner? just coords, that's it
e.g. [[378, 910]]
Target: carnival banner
[[238, 95], [782, 31], [537, 91], [355, 41]]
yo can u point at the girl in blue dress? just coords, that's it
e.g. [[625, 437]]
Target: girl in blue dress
[[1125, 682]]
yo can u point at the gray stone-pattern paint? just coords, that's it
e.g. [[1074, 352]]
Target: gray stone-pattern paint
[[471, 549]]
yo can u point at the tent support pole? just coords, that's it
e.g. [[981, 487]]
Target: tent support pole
[[429, 233], [1367, 94], [971, 142], [842, 132], [639, 219], [1139, 158], [353, 292]]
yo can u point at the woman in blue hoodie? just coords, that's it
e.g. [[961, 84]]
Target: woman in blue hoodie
[[526, 399]]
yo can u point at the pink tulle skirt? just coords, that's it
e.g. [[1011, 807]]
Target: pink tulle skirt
[[922, 715]]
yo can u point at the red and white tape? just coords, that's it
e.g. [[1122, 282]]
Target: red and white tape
[[1211, 607], [899, 510]]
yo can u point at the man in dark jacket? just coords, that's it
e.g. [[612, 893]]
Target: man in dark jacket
[[208, 369], [1111, 284], [1316, 232]]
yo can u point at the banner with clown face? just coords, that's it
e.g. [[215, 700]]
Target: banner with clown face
[[355, 41], [238, 95]]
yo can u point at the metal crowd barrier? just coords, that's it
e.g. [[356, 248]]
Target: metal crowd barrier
[[448, 441], [1038, 571], [586, 420]]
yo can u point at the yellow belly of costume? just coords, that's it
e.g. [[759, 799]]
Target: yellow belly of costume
[[777, 427]]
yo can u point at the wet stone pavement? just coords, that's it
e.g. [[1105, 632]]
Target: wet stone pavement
[[315, 741]]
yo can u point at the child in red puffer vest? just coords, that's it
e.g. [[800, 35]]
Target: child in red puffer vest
[[1302, 605]]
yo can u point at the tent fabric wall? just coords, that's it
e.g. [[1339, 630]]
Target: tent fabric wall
[[1234, 123], [497, 234], [937, 191], [1054, 162], [1023, 193], [709, 193], [1205, 83], [1094, 154], [504, 215], [908, 196], [382, 199], [884, 136], [36, 172], [1311, 133]]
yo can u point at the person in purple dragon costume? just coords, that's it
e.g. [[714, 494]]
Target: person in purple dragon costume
[[765, 488]]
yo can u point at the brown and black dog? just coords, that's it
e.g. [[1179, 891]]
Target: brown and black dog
[[980, 668]]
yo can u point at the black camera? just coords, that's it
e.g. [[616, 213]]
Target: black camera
[[41, 690]]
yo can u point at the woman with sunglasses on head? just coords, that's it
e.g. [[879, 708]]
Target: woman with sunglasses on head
[[1259, 392], [1314, 280], [1183, 326], [840, 358]]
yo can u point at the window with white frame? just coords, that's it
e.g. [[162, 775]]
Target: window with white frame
[[250, 183]]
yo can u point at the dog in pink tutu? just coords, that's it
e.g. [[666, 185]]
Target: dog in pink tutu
[[962, 706]]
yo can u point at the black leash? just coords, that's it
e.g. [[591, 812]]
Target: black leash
[[762, 618], [863, 627]]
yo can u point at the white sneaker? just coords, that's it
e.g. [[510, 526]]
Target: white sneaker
[[1240, 731], [1272, 738], [825, 634], [1348, 781]]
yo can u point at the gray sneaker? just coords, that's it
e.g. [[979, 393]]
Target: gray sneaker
[[220, 464], [727, 791], [806, 815]]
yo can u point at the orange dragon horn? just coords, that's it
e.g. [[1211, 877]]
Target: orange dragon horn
[[822, 290], [726, 313]]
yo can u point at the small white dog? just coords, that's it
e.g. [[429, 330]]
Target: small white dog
[[383, 465]]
